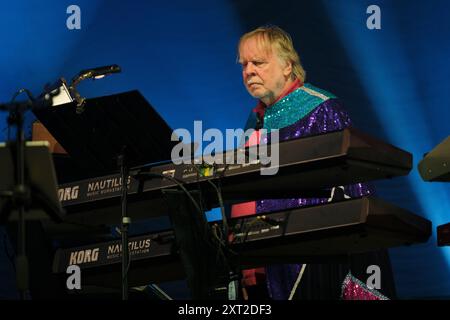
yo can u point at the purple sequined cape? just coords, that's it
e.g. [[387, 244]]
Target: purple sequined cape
[[326, 115]]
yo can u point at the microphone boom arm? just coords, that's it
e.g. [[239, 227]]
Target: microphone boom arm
[[95, 73]]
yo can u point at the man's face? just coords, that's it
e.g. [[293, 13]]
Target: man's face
[[265, 75]]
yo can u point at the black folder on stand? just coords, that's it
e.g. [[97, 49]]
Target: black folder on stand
[[95, 137]]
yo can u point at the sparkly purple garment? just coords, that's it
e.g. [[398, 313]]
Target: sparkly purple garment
[[354, 289], [326, 117]]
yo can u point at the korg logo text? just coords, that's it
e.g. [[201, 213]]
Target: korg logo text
[[69, 193], [83, 256]]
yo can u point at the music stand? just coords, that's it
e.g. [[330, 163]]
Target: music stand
[[40, 178], [33, 198], [95, 138], [113, 132]]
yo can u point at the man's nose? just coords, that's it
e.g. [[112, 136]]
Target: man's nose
[[249, 69]]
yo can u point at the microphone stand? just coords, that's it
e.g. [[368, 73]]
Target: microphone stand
[[122, 163], [21, 198], [20, 195]]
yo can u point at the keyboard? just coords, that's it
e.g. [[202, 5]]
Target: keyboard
[[321, 233], [307, 166]]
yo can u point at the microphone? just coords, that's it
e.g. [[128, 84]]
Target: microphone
[[97, 73]]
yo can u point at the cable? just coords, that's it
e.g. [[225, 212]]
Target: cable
[[179, 183], [248, 229], [175, 180], [218, 245], [201, 202], [156, 175], [220, 199], [219, 193], [221, 245], [297, 282], [222, 207], [159, 292], [217, 232]]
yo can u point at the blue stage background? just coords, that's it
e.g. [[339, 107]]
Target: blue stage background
[[181, 55]]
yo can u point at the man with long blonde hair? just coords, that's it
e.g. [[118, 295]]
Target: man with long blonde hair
[[273, 74]]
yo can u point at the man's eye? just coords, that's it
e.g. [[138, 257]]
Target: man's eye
[[257, 63]]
